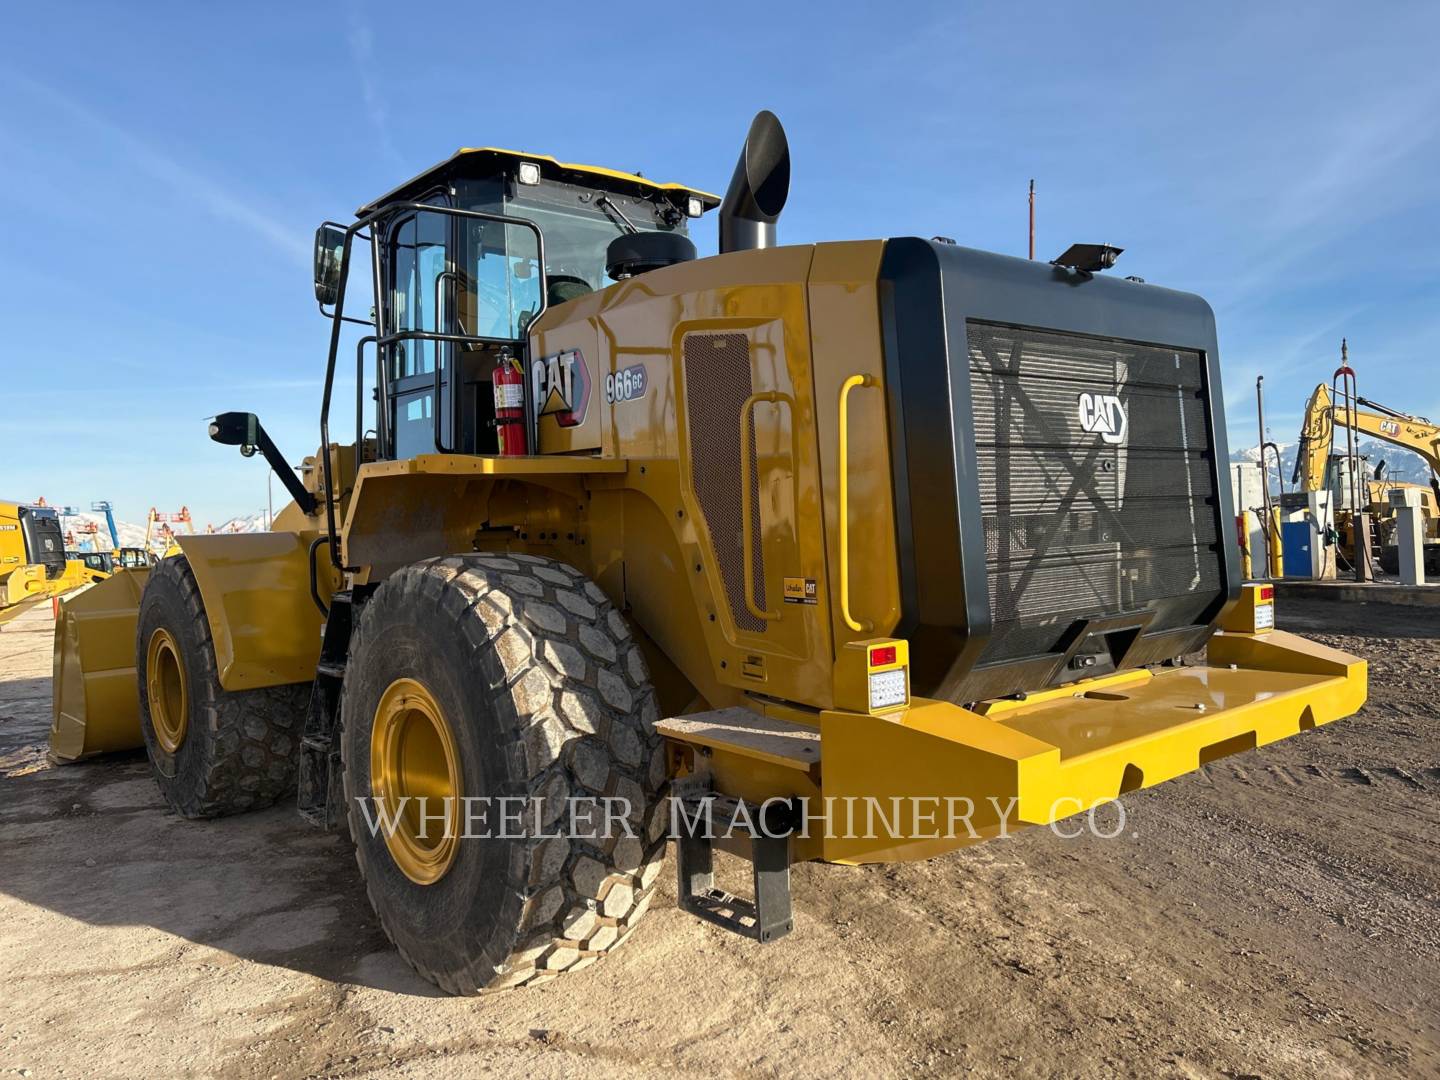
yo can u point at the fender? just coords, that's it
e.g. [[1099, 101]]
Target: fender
[[431, 504], [256, 587]]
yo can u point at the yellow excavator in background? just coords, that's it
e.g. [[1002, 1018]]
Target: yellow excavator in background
[[1317, 469]]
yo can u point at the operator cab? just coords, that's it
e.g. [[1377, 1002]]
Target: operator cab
[[460, 286], [134, 558], [103, 561]]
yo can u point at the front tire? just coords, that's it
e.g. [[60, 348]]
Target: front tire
[[501, 676], [212, 751]]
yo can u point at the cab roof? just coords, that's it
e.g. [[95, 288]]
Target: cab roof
[[474, 160]]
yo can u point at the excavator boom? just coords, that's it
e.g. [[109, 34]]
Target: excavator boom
[[1322, 416]]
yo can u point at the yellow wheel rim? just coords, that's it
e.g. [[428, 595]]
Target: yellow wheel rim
[[168, 693], [413, 758]]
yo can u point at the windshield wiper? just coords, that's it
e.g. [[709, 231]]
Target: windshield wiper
[[624, 224]]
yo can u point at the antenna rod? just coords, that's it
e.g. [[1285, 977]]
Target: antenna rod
[[1260, 407], [1032, 218]]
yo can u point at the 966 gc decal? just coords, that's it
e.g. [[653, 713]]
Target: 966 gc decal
[[626, 384]]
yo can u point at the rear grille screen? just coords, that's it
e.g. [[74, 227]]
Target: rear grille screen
[[717, 384], [1096, 483], [44, 543]]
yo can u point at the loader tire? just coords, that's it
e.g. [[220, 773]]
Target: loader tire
[[212, 751], [542, 695]]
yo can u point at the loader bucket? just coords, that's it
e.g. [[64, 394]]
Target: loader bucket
[[96, 703]]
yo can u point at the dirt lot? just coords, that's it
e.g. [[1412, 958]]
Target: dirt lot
[[1276, 915]]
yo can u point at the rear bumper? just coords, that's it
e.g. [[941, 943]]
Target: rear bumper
[[1035, 761]]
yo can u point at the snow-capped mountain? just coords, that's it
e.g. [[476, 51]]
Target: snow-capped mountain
[[256, 522], [88, 531], [1400, 464], [80, 527]]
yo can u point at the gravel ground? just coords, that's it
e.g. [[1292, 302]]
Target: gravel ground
[[1277, 914]]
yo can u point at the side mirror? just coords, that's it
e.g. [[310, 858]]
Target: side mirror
[[329, 244], [244, 430]]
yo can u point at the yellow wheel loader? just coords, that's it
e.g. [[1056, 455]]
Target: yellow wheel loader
[[33, 562], [848, 551], [98, 565]]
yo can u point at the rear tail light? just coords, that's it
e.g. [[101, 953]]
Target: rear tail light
[[873, 676], [888, 689], [887, 675]]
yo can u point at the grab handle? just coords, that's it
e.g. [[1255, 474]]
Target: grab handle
[[747, 522], [860, 625]]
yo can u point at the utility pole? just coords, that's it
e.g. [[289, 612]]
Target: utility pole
[[1260, 408], [1032, 218]]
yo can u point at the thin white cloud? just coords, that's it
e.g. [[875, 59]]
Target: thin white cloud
[[361, 40], [1366, 168], [169, 170]]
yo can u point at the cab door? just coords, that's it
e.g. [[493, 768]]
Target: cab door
[[419, 297]]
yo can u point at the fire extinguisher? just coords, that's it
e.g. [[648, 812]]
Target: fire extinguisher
[[510, 406]]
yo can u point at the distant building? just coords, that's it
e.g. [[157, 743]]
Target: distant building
[[1247, 490]]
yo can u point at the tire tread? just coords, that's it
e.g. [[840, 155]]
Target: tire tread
[[583, 724], [251, 752]]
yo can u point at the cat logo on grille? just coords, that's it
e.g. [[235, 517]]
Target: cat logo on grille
[[1104, 415]]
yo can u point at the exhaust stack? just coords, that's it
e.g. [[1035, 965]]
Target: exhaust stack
[[759, 188]]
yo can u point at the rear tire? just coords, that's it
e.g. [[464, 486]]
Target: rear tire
[[212, 751], [545, 698]]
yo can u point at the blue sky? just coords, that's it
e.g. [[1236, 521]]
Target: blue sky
[[164, 167]]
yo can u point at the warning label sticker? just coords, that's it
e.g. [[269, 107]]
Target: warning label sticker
[[800, 591]]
